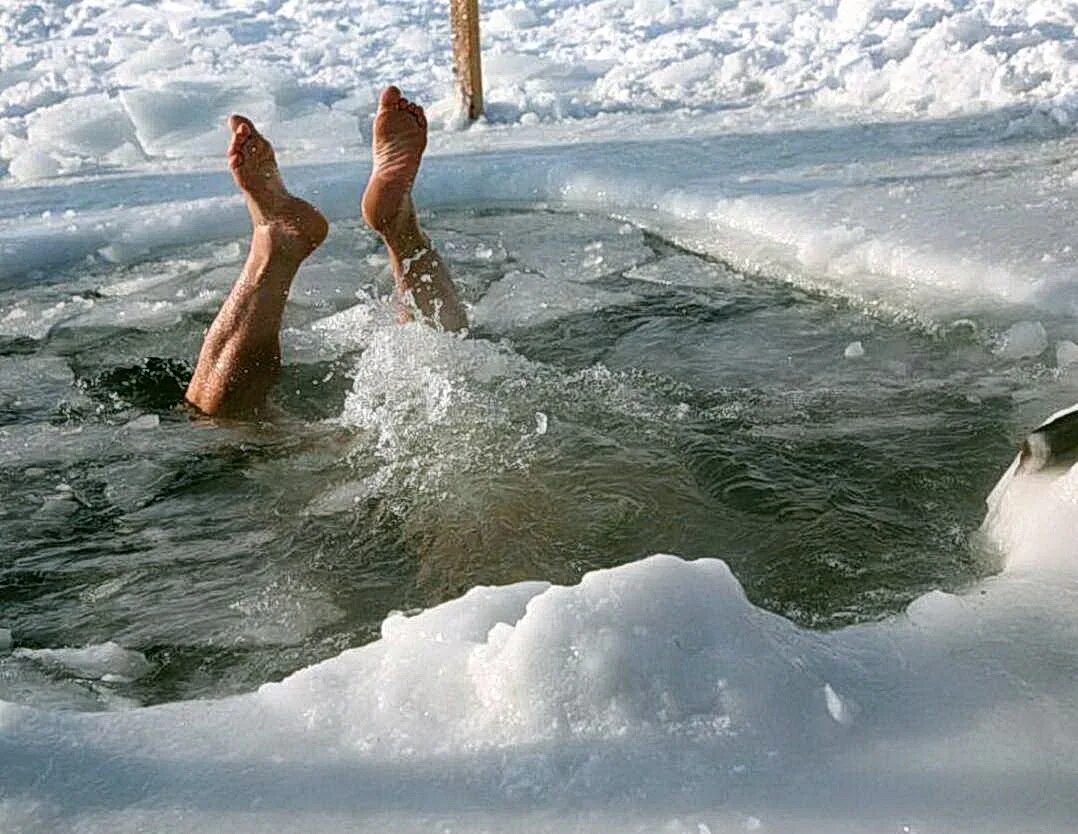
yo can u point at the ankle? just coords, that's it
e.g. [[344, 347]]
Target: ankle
[[283, 242], [407, 244]]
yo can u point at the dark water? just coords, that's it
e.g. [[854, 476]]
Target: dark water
[[620, 398]]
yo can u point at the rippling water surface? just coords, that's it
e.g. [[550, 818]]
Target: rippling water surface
[[620, 397]]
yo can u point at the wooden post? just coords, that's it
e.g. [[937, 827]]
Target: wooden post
[[464, 20]]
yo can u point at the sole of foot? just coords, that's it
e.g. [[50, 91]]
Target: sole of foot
[[400, 137]]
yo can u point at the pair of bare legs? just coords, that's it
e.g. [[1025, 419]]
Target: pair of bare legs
[[240, 358]]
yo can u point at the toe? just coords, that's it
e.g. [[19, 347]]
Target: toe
[[418, 114], [242, 132], [390, 96], [240, 125]]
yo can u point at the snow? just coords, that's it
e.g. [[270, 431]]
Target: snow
[[105, 83], [911, 156], [656, 679]]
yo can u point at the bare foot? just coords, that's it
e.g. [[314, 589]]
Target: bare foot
[[400, 136], [294, 227]]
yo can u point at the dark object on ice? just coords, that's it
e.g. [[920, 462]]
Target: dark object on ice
[[1054, 444]]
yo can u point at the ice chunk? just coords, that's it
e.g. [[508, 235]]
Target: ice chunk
[[284, 613], [34, 164], [852, 16], [854, 350], [836, 707], [131, 484], [508, 19], [164, 54], [935, 609], [680, 74], [504, 68], [105, 661], [523, 299], [1023, 340], [568, 247], [1066, 353], [58, 505], [183, 118], [686, 271], [5, 639], [341, 499], [90, 126], [143, 422], [661, 648], [329, 284]]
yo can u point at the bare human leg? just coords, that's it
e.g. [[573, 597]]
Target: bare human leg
[[241, 354], [424, 287]]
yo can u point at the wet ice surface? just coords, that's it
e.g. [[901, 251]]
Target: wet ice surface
[[648, 401]]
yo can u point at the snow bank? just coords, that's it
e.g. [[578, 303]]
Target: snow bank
[[655, 650], [655, 684], [111, 83]]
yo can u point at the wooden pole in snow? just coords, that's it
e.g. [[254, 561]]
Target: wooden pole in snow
[[464, 20]]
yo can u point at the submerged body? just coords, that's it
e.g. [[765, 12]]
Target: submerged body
[[240, 358]]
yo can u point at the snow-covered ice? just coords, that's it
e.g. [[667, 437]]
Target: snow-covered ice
[[119, 83], [915, 157], [107, 661]]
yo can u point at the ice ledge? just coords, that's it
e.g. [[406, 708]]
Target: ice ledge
[[937, 219]]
